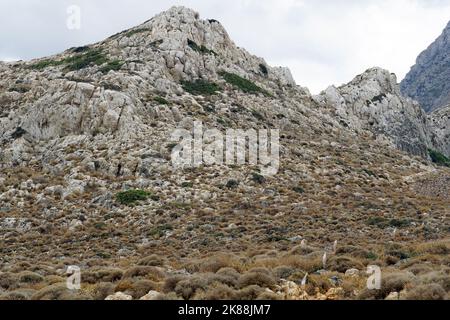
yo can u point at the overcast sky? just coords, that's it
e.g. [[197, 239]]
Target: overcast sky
[[322, 42]]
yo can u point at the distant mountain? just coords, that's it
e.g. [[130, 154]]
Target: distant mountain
[[428, 82]]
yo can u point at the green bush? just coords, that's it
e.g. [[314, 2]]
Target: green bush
[[232, 184], [84, 60], [130, 197], [298, 189], [80, 49], [256, 177], [439, 158], [112, 65], [243, 84], [199, 87], [201, 49], [80, 61], [161, 100], [187, 184]]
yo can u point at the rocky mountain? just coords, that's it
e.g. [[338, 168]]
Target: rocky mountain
[[440, 123], [428, 82], [372, 101], [87, 177]]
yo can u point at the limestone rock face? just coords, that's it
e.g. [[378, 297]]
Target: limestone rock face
[[372, 101], [48, 102], [440, 124], [428, 82]]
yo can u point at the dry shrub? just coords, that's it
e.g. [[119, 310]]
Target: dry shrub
[[8, 281], [394, 282], [283, 272], [152, 261], [309, 263], [217, 292], [438, 277], [419, 268], [265, 262], [248, 293], [437, 248], [171, 282], [21, 266], [168, 296], [342, 264], [351, 285], [141, 287], [212, 264], [102, 290], [431, 291], [256, 278], [187, 288], [151, 273], [269, 295], [301, 250], [354, 252], [260, 270], [317, 282], [58, 291], [391, 260], [101, 275], [229, 280], [22, 294], [30, 277], [124, 285], [229, 272], [52, 279]]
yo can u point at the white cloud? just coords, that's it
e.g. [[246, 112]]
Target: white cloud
[[323, 42]]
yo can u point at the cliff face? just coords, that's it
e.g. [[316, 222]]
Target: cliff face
[[372, 101], [428, 82], [440, 124]]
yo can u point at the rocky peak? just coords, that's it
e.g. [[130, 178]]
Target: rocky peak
[[429, 79], [372, 101], [186, 41], [180, 24]]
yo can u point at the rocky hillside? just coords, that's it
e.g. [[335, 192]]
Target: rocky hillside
[[87, 177], [372, 101], [428, 82], [440, 123]]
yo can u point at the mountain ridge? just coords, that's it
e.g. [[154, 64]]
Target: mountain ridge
[[428, 81]]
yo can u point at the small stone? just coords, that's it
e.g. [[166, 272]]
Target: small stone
[[352, 272], [74, 224], [119, 296], [393, 296], [296, 239], [152, 295]]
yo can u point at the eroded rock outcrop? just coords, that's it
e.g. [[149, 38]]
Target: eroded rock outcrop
[[440, 123], [372, 101], [429, 79]]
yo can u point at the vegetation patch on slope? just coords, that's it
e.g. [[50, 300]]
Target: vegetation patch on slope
[[130, 197], [201, 49], [199, 87], [439, 158], [242, 83], [81, 61]]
